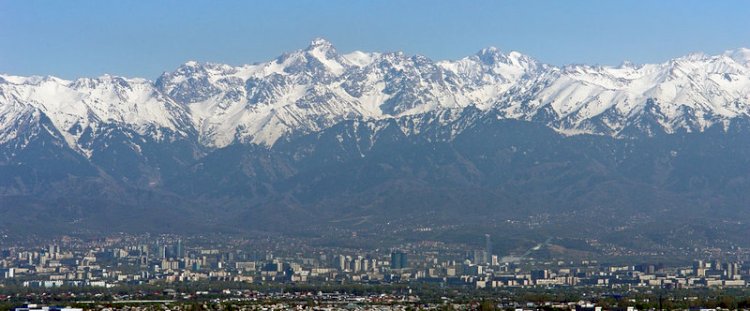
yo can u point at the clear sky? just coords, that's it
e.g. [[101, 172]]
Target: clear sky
[[143, 38]]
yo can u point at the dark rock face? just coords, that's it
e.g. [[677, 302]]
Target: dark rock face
[[486, 169]]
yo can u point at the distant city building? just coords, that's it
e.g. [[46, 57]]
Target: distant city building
[[479, 256], [178, 250], [540, 274], [34, 307], [163, 252], [487, 248], [399, 260], [8, 273]]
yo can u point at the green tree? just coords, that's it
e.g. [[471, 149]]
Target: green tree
[[487, 305]]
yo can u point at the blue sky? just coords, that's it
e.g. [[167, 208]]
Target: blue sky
[[144, 38]]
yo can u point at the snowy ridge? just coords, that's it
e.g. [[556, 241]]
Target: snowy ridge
[[309, 90], [691, 92], [75, 106]]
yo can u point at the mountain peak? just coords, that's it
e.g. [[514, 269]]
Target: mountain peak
[[319, 42], [491, 56], [694, 56], [741, 55], [320, 56], [489, 50], [310, 89], [189, 67], [627, 64]]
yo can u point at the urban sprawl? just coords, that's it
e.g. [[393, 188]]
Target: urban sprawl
[[135, 261]]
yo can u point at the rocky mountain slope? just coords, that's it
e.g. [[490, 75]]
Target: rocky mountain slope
[[313, 89], [317, 137]]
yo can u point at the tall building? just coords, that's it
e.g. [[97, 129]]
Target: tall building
[[540, 274], [487, 248], [365, 264], [699, 268], [732, 269], [178, 249], [341, 263], [479, 257], [8, 273], [399, 260], [53, 249]]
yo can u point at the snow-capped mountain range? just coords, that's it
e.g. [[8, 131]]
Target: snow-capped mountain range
[[310, 90], [319, 138]]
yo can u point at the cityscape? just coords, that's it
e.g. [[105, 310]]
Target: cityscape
[[159, 270], [135, 261]]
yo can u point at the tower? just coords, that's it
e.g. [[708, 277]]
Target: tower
[[487, 248], [341, 262], [399, 260], [178, 250]]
